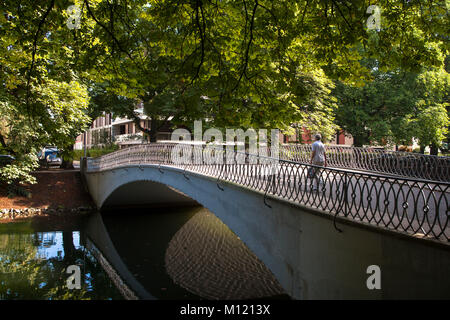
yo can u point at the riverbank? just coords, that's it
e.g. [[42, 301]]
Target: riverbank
[[58, 192]]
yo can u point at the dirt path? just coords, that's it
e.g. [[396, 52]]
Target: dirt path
[[56, 188]]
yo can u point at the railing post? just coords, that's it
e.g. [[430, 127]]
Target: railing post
[[345, 195], [275, 178]]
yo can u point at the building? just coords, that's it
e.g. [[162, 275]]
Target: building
[[108, 129], [99, 134]]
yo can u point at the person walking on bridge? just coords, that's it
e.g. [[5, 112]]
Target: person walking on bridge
[[318, 158]]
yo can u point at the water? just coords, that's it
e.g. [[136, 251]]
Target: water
[[178, 253], [33, 259]]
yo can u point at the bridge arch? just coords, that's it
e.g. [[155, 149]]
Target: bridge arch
[[145, 193]]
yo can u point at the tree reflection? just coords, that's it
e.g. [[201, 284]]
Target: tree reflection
[[26, 274]]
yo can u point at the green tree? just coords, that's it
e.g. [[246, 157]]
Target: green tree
[[376, 111], [430, 117], [395, 108], [253, 62], [41, 100], [250, 63]]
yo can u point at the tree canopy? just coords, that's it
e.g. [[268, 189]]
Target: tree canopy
[[395, 108], [250, 63], [236, 63]]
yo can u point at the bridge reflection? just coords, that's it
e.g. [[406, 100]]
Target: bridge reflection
[[177, 253]]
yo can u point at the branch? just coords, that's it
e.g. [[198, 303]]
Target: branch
[[108, 31], [304, 12], [252, 23], [202, 36], [137, 122], [33, 56], [111, 19], [340, 12]]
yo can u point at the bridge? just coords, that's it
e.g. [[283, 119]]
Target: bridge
[[318, 244]]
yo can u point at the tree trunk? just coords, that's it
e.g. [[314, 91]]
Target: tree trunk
[[68, 164], [357, 141], [434, 149], [68, 246], [153, 136], [152, 131]]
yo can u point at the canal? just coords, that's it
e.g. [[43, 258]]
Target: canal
[[165, 254]]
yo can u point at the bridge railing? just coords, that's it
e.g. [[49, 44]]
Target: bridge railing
[[396, 163], [399, 163], [415, 206]]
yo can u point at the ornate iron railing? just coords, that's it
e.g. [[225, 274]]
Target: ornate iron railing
[[406, 164], [415, 206]]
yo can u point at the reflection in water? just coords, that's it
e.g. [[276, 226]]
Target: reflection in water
[[141, 239], [33, 264], [171, 253], [189, 253], [207, 258]]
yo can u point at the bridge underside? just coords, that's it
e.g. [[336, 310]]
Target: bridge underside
[[145, 193]]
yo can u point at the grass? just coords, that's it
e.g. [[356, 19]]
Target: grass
[[95, 152]]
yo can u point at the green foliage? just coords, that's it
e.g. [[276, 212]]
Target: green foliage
[[41, 100], [102, 100], [396, 107], [19, 171], [253, 63], [430, 120]]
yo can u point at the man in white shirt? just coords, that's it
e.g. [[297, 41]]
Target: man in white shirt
[[318, 158]]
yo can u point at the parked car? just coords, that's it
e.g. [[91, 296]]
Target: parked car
[[50, 157], [53, 159]]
